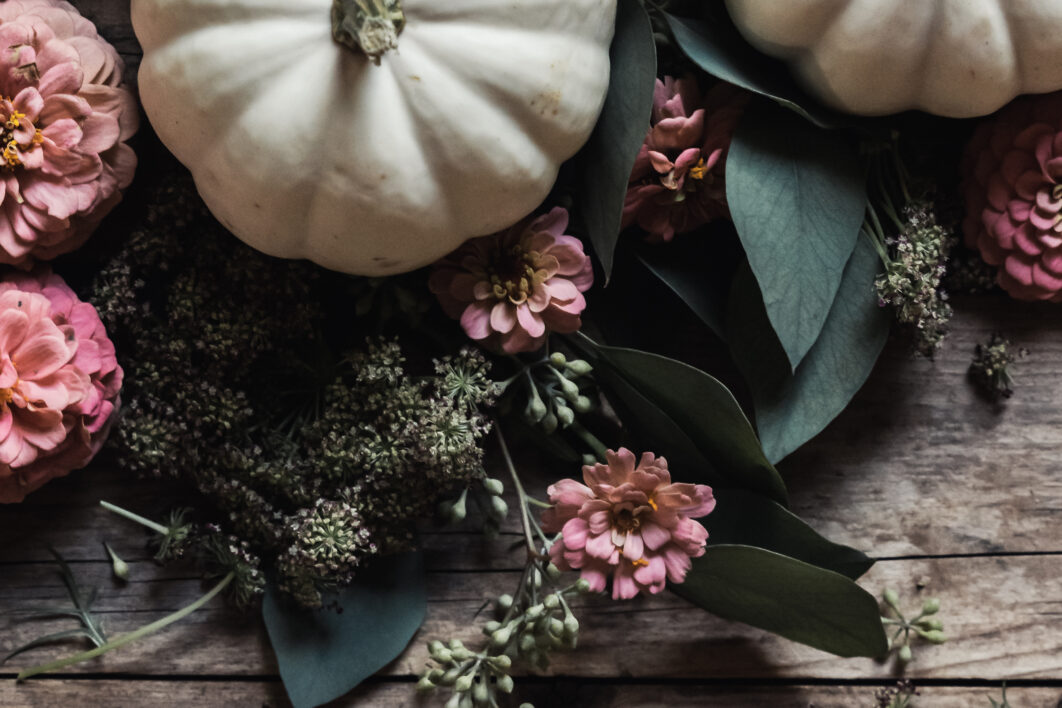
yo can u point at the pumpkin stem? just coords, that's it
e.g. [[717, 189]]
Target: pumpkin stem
[[371, 26]]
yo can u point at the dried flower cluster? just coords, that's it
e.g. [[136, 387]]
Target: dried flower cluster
[[915, 263], [310, 448], [990, 368]]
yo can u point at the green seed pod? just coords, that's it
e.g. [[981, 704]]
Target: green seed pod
[[461, 654], [458, 511], [500, 662], [456, 644], [501, 637], [551, 602], [425, 685], [558, 359], [582, 404], [435, 675], [480, 693], [504, 602], [494, 487], [118, 566], [556, 627], [565, 415], [891, 597], [455, 701], [904, 655], [535, 410], [450, 677], [553, 572], [534, 612], [931, 606], [934, 635], [571, 626], [930, 623], [491, 627], [464, 683], [498, 508], [549, 423], [527, 643], [582, 585], [579, 367], [505, 684]]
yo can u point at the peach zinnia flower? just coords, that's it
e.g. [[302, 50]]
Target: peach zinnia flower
[[627, 521], [510, 289], [63, 118], [677, 181], [59, 383]]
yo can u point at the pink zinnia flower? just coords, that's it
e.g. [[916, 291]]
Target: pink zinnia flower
[[59, 382], [1012, 179], [627, 521], [63, 117], [677, 181], [510, 289]]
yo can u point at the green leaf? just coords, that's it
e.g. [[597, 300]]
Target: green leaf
[[608, 158], [790, 413], [705, 411], [797, 198], [746, 518], [324, 654], [717, 47], [788, 597]]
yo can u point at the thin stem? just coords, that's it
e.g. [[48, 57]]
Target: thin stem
[[130, 637], [590, 439], [157, 528], [525, 519]]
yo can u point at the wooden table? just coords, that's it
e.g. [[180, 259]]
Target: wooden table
[[957, 499]]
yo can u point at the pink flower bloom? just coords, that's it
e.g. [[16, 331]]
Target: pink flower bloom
[[63, 117], [1012, 180], [59, 383], [627, 521], [511, 288], [677, 181]]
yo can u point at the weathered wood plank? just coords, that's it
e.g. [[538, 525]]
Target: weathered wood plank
[[218, 694], [1003, 617]]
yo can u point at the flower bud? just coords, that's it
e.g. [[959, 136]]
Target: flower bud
[[435, 675], [448, 678], [461, 654], [534, 612], [491, 627], [930, 623], [582, 404], [931, 606], [536, 578], [118, 566], [456, 644], [527, 643], [571, 625], [549, 423], [494, 487], [551, 601], [455, 701], [582, 585], [565, 415], [536, 410], [480, 693], [904, 655], [458, 511], [498, 508], [579, 367], [500, 662], [891, 598], [556, 627], [552, 571], [463, 683], [439, 652], [501, 637], [569, 388], [505, 684], [425, 685], [558, 359], [504, 602], [934, 635]]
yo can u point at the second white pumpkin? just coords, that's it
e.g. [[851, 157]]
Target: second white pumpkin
[[303, 148], [956, 58]]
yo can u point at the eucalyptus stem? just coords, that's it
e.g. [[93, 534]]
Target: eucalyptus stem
[[156, 527], [590, 439], [525, 518], [131, 636]]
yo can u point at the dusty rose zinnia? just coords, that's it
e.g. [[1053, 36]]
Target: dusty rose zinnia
[[627, 521], [677, 181], [63, 118], [1012, 180], [511, 288], [59, 382]]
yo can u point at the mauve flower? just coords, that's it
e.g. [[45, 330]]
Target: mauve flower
[[510, 289], [677, 181], [627, 521], [1012, 180], [59, 382], [63, 118]]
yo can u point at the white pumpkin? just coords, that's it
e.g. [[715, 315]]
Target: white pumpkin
[[302, 147], [955, 58]]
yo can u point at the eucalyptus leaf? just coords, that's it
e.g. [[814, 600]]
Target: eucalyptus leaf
[[691, 267], [797, 197], [791, 413], [608, 158], [789, 597], [747, 518], [324, 654], [706, 413], [716, 46]]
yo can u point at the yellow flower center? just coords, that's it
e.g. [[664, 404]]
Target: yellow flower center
[[12, 150], [641, 562], [699, 170], [6, 395], [515, 277]]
